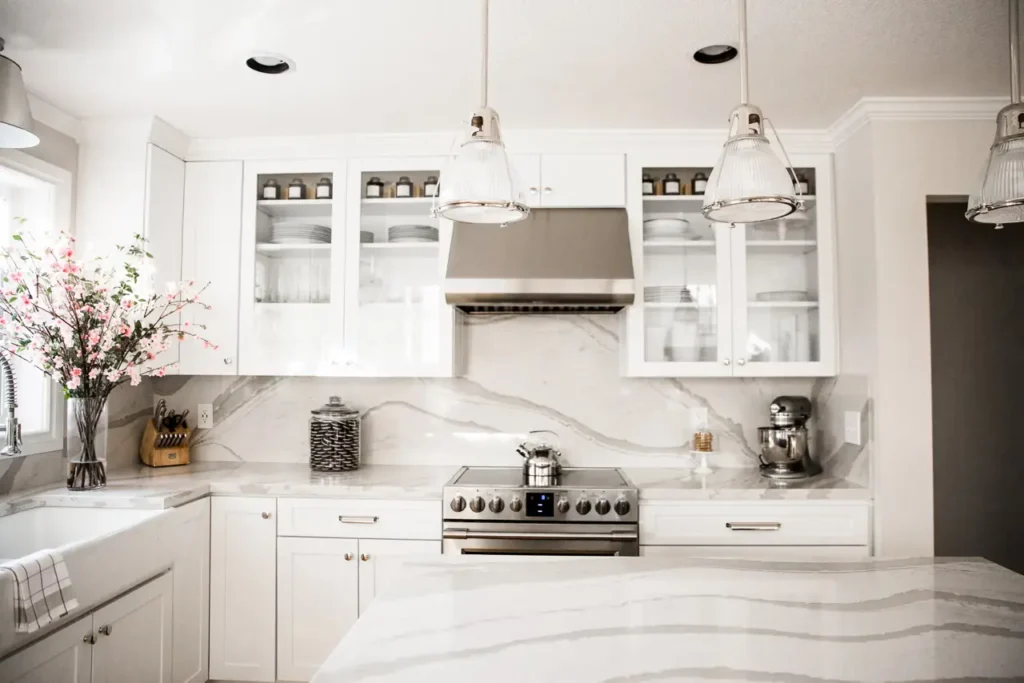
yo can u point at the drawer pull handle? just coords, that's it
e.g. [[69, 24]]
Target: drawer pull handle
[[753, 526], [346, 519]]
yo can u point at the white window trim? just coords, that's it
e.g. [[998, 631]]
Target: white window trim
[[52, 440]]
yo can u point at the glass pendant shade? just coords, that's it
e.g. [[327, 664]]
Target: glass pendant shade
[[478, 186], [15, 116], [749, 183], [1000, 197]]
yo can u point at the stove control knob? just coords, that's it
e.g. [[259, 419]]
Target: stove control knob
[[583, 506], [496, 505], [622, 507], [602, 507], [458, 504], [563, 505], [477, 504], [515, 505]]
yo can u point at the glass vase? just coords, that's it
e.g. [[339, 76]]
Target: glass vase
[[87, 443]]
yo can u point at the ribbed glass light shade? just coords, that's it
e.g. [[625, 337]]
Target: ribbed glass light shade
[[1001, 186], [749, 184], [479, 186]]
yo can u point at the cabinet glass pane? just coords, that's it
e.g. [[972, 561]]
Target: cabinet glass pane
[[399, 304], [783, 323], [680, 275], [293, 239]]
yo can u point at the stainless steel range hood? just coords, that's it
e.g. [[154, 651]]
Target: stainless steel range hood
[[557, 260]]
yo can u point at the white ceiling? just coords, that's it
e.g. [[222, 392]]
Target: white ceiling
[[413, 65]]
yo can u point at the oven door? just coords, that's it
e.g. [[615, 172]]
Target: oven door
[[533, 538]]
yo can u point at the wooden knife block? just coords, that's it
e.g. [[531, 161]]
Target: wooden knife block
[[163, 457]]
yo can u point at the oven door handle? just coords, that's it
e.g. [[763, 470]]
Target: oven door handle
[[466, 534]]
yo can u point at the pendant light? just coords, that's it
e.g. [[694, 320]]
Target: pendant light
[[1000, 195], [477, 186], [15, 116], [750, 183]]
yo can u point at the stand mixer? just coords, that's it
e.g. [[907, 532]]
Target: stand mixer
[[784, 445]]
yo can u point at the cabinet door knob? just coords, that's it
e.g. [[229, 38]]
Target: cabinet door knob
[[741, 361], [265, 515], [533, 190], [547, 190], [725, 361], [89, 638], [364, 557], [348, 557], [228, 361], [106, 629]]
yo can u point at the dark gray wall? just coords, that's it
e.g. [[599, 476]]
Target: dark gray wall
[[977, 317]]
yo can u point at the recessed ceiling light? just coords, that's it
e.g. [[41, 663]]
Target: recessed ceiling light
[[270, 63], [715, 54]]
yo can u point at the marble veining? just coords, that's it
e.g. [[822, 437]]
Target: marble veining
[[647, 619]]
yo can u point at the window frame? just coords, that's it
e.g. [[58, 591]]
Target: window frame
[[21, 162]]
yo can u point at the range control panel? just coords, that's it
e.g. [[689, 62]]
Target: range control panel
[[541, 504]]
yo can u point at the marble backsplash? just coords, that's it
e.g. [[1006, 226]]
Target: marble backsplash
[[557, 372]]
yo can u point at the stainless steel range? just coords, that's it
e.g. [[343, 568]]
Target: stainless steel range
[[585, 511]]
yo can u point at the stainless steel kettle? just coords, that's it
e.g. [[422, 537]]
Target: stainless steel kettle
[[541, 465]]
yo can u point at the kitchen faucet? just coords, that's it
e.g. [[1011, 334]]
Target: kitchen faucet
[[13, 446]]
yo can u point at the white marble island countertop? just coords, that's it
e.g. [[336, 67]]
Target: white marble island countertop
[[622, 620]]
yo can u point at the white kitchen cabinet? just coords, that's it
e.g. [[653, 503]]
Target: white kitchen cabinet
[[211, 253], [380, 563], [292, 276], [63, 657], [716, 300], [317, 601], [133, 636], [243, 555], [760, 552], [571, 180], [191, 630], [397, 323]]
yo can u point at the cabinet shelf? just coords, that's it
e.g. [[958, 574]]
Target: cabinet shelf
[[782, 304], [781, 246], [399, 247], [406, 206], [293, 249], [675, 246], [671, 304], [296, 208]]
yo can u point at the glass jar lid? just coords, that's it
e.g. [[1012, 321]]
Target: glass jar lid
[[271, 182], [431, 178], [671, 176], [297, 181], [700, 176], [403, 179], [374, 179], [325, 181], [335, 408]]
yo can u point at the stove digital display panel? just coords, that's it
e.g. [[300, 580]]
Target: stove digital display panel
[[540, 504]]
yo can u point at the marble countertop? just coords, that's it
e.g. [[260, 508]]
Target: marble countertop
[[158, 488], [625, 620]]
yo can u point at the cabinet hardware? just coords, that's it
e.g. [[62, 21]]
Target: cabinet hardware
[[364, 557], [547, 190], [348, 557], [347, 519], [265, 515], [741, 361], [89, 638], [753, 526], [106, 630], [228, 361], [533, 190], [725, 361]]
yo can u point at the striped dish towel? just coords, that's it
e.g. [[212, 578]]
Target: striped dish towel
[[43, 591]]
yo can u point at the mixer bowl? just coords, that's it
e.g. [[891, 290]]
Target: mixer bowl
[[783, 445]]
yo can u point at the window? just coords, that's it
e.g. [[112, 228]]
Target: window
[[41, 194]]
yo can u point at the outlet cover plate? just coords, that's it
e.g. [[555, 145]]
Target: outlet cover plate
[[205, 415]]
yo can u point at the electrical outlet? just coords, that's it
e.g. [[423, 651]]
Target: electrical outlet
[[851, 427], [205, 415]]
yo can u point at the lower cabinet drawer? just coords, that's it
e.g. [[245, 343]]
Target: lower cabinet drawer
[[328, 518], [760, 552], [784, 523]]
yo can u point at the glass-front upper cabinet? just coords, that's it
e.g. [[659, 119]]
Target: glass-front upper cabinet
[[716, 300], [292, 271], [680, 323], [784, 289], [396, 321]]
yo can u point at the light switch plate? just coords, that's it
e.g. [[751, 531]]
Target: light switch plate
[[851, 427], [205, 415]]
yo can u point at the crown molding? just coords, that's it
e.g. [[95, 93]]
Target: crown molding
[[54, 117], [869, 109]]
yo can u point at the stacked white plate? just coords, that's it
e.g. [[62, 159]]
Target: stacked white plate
[[365, 237], [666, 229], [412, 233], [294, 232], [668, 294]]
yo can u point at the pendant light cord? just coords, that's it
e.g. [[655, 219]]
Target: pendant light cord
[[743, 50], [1015, 51], [484, 51]]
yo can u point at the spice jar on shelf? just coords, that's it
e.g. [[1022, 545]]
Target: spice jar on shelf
[[647, 184], [430, 186], [403, 188], [671, 184], [700, 183], [297, 189], [271, 190], [802, 184], [324, 190], [374, 188]]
